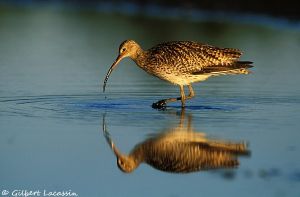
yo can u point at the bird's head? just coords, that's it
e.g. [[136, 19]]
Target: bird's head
[[125, 163], [128, 48]]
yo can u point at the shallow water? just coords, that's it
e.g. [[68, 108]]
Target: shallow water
[[52, 65]]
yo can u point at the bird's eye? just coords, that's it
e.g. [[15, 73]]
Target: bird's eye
[[124, 49], [120, 162]]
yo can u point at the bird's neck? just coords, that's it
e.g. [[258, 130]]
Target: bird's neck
[[140, 57], [138, 155]]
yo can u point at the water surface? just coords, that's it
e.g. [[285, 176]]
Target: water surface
[[52, 65]]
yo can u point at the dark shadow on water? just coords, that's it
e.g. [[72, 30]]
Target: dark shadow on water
[[180, 149], [99, 105], [207, 107]]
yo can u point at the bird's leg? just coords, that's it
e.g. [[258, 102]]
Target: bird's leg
[[182, 98], [162, 103], [192, 93], [189, 124]]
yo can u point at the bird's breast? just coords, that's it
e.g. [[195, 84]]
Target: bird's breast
[[175, 70]]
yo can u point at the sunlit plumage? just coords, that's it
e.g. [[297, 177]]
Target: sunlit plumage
[[182, 63]]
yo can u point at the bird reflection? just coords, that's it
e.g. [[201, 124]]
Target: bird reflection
[[179, 150]]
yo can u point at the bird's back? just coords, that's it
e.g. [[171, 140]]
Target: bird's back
[[191, 152], [191, 56], [190, 157], [181, 61]]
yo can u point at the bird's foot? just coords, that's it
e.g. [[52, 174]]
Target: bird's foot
[[161, 105]]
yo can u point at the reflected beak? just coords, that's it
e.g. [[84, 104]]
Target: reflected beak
[[119, 58], [108, 139], [116, 151]]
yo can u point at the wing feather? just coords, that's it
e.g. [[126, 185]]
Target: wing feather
[[196, 58]]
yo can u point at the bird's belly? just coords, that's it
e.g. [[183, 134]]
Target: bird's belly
[[181, 79], [174, 75]]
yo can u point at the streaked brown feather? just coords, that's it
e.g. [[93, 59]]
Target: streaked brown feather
[[192, 57], [187, 152], [222, 68]]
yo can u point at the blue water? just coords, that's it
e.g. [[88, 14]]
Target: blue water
[[52, 66]]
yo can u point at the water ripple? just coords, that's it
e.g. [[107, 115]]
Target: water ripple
[[48, 105], [89, 106]]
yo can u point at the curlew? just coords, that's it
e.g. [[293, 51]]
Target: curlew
[[179, 150], [182, 63]]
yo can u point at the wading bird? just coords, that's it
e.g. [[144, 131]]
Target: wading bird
[[182, 63], [179, 150]]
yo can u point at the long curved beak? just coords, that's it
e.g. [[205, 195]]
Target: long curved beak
[[119, 58], [109, 140], [113, 147], [116, 151]]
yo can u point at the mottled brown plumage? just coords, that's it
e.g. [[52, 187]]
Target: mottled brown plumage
[[180, 150], [182, 63]]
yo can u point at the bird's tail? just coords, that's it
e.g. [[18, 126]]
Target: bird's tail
[[231, 147], [246, 63], [241, 67]]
